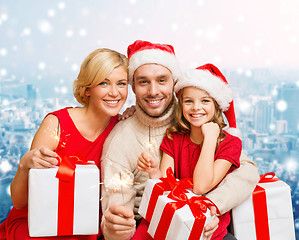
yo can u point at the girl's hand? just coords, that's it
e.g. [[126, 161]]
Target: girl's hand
[[210, 129], [127, 113], [41, 157], [147, 163]]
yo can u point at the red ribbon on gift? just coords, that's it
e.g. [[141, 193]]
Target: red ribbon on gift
[[167, 184], [260, 207], [198, 206], [66, 187], [268, 177]]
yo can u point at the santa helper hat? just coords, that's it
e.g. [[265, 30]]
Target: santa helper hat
[[209, 78], [144, 52]]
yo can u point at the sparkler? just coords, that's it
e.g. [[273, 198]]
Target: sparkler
[[122, 190], [53, 133], [120, 181], [150, 144]]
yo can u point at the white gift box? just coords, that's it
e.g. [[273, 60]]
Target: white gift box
[[144, 204], [181, 223], [43, 201], [278, 211]]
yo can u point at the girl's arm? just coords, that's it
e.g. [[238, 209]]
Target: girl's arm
[[147, 163], [41, 155], [166, 162], [236, 186], [208, 173]]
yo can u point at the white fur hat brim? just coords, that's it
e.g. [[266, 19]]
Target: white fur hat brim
[[234, 132], [148, 56], [204, 80]]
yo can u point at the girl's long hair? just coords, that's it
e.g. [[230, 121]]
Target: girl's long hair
[[182, 126]]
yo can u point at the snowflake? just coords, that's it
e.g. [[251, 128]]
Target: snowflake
[[45, 27], [3, 72], [281, 105], [26, 32], [64, 90], [5, 166], [82, 32], [69, 33], [61, 5], [128, 21], [41, 65], [51, 13], [75, 67], [4, 17], [3, 51]]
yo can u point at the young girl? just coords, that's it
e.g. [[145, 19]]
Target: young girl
[[197, 146], [101, 87]]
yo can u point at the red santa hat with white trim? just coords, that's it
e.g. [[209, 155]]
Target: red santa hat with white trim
[[209, 78], [144, 52]]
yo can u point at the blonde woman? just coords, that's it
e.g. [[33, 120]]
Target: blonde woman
[[101, 88]]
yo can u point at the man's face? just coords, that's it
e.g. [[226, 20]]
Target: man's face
[[153, 87]]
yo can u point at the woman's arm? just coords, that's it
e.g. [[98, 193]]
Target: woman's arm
[[41, 155]]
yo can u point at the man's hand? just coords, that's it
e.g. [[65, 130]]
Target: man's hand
[[212, 226], [119, 223]]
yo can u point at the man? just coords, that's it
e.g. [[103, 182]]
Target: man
[[153, 71]]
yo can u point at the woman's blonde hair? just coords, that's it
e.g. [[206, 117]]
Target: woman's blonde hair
[[94, 69], [182, 126]]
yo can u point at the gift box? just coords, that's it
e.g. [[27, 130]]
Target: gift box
[[63, 202], [267, 213], [181, 217], [153, 189], [156, 187]]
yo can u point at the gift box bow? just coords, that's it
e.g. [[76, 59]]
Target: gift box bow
[[66, 190], [198, 206], [167, 184], [67, 166]]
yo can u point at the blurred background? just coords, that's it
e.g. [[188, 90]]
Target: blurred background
[[254, 43]]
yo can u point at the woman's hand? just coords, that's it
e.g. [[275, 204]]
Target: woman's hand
[[40, 157], [127, 113]]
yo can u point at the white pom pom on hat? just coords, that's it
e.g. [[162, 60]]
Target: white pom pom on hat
[[144, 52], [209, 78]]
